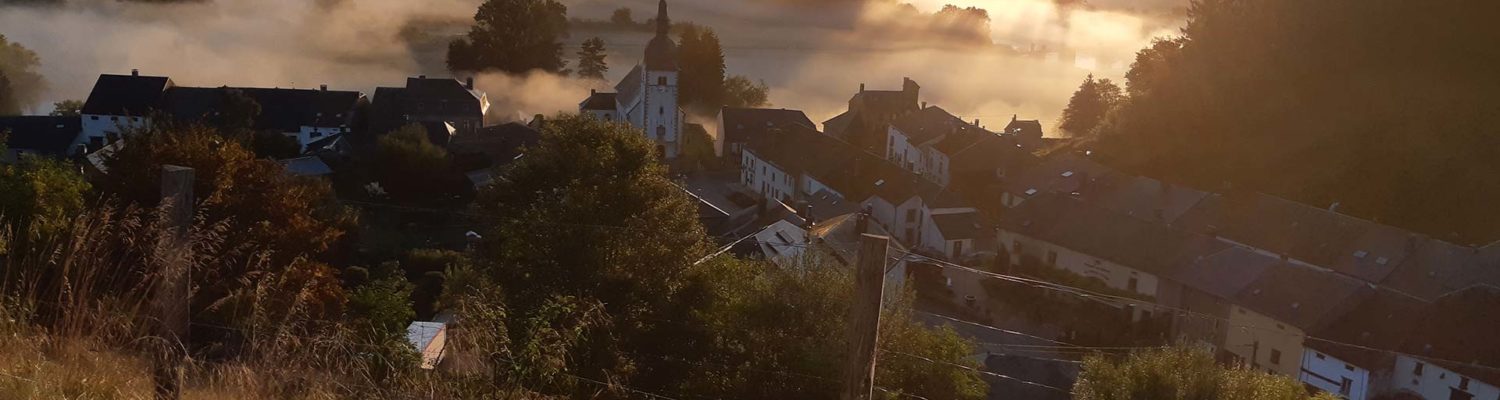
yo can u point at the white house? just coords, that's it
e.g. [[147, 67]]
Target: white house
[[118, 104], [734, 127], [1452, 351], [1334, 375], [1433, 381], [647, 97]]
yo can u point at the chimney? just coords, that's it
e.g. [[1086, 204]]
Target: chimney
[[421, 76], [976, 122], [593, 92], [862, 221], [323, 87], [469, 83], [924, 105], [861, 88], [1013, 117], [135, 72], [807, 216]]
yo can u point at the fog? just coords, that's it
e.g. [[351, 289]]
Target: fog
[[812, 59]]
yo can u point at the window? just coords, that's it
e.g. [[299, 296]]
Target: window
[[1344, 386], [94, 117], [1276, 356], [958, 249], [661, 132], [661, 110], [1463, 383], [1417, 370], [1348, 367], [661, 80], [1132, 284], [1051, 258], [1319, 356]]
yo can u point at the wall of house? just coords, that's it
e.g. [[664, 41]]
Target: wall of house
[[908, 220], [881, 212], [932, 238], [900, 150], [811, 185], [1328, 373], [1193, 328], [105, 126], [935, 167], [1112, 274], [1255, 336], [765, 178], [1436, 382], [309, 134]]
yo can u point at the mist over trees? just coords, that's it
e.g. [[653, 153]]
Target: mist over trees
[[512, 36], [1323, 102], [591, 59], [1089, 105], [704, 85], [21, 84]]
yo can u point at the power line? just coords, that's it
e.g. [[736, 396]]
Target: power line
[[980, 371]]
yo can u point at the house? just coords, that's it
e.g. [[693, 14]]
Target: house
[[1451, 352], [430, 339], [307, 115], [39, 135], [1269, 319], [493, 146], [647, 97], [781, 242], [787, 164], [735, 127], [1382, 320], [839, 238], [1028, 132], [1206, 285], [1064, 173], [429, 100], [870, 113], [118, 103], [923, 141]]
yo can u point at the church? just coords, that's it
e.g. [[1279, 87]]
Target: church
[[647, 97]]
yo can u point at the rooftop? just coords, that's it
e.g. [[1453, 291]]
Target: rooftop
[[125, 94]]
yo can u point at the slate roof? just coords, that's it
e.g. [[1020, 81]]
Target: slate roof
[[1300, 296], [661, 52], [1383, 319], [1309, 234], [1461, 326], [929, 124], [306, 166], [884, 103], [601, 101], [1146, 198], [1431, 270], [840, 236], [840, 124], [1125, 240], [629, 87], [284, 110], [826, 204], [502, 143], [125, 95], [957, 226], [1064, 173], [798, 149], [1224, 273], [989, 154], [1024, 128], [740, 124], [41, 134]]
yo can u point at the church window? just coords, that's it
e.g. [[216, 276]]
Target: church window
[[661, 132], [661, 81]]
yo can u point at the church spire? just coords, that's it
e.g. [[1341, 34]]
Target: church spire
[[663, 24]]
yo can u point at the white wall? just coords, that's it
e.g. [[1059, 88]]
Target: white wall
[[309, 134], [765, 178], [901, 151], [1327, 373], [662, 119], [1114, 275], [104, 126], [1436, 382], [812, 185]]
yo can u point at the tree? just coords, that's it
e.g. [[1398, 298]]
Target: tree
[[410, 167], [1180, 373], [67, 108], [18, 67], [1090, 104], [273, 145], [622, 17], [236, 114], [40, 196], [591, 59], [512, 36], [701, 60], [740, 91]]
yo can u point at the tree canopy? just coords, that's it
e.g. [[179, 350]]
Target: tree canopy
[[410, 167], [701, 59], [21, 84], [1089, 105], [67, 108], [40, 193], [591, 59], [1322, 102], [1180, 373], [512, 36]]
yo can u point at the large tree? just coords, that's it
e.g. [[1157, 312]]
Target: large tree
[[1089, 105], [512, 36], [591, 59], [1324, 103], [1180, 373], [740, 91], [701, 59], [18, 68], [411, 168]]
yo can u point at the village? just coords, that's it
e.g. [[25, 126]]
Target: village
[[1023, 242]]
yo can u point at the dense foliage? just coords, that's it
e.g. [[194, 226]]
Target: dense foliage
[[512, 36], [704, 87], [1180, 373], [1324, 102], [410, 167], [67, 108], [591, 59], [1089, 105], [40, 193]]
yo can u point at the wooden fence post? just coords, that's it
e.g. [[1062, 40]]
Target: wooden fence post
[[173, 289], [864, 317]]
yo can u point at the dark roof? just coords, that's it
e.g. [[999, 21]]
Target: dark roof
[[441, 96], [1309, 234], [881, 104], [599, 101], [1461, 327], [957, 226], [798, 149], [629, 86], [1146, 198], [1225, 273], [1024, 128], [1431, 270], [502, 143], [125, 94], [1382, 319], [965, 137], [826, 204], [1064, 173], [989, 154], [285, 110], [1128, 241], [742, 123], [839, 124], [661, 52], [306, 166], [1303, 297], [41, 134], [929, 124], [840, 236]]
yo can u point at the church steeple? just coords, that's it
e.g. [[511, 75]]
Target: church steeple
[[663, 24]]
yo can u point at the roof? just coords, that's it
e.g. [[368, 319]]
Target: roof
[[797, 149], [438, 132], [1431, 270], [840, 236], [285, 110], [1464, 325], [837, 125], [826, 204], [1024, 128], [125, 94], [956, 226], [422, 336], [779, 240], [1382, 319], [1065, 173], [1146, 198], [929, 124], [306, 166], [502, 143], [629, 87], [1125, 240], [601, 101], [1224, 273], [1303, 297], [1309, 234], [742, 123], [425, 96], [41, 134], [661, 52]]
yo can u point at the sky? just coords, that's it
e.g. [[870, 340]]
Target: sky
[[811, 61]]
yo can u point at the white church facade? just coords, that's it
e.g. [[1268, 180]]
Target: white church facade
[[647, 97]]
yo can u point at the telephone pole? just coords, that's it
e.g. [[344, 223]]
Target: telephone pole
[[864, 317]]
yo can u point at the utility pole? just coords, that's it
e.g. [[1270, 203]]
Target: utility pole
[[173, 287], [864, 317]]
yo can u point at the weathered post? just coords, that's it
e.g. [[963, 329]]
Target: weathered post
[[172, 292], [864, 317]]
